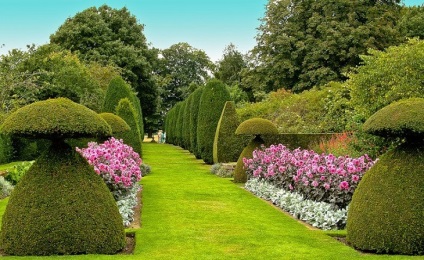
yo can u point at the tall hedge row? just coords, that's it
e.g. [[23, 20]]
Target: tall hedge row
[[186, 124], [126, 111], [227, 146], [211, 104], [197, 94]]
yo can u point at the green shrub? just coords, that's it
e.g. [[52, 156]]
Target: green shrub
[[126, 111], [6, 149], [6, 188], [212, 101], [186, 124], [197, 94], [55, 210], [169, 126], [406, 120], [227, 145], [293, 141], [257, 126], [179, 125], [55, 119], [387, 209], [116, 123], [17, 172], [240, 175], [117, 90]]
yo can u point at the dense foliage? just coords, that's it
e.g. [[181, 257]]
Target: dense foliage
[[227, 146], [406, 120], [128, 113], [387, 76], [212, 101], [55, 118], [112, 36], [256, 126], [61, 207], [116, 123], [387, 209], [302, 44], [194, 113]]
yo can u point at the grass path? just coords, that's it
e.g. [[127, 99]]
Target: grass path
[[189, 213]]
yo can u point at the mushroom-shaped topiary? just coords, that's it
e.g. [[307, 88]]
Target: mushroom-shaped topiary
[[256, 127], [387, 209], [60, 206], [116, 123]]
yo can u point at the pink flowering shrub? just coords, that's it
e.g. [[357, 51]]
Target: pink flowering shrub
[[319, 177], [115, 162]]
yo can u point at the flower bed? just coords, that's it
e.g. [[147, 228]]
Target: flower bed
[[317, 177], [119, 166]]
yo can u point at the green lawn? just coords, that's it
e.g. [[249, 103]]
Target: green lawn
[[189, 213]]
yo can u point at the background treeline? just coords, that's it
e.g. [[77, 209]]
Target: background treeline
[[308, 67]]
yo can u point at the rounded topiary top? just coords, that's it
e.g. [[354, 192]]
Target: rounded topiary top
[[257, 126], [55, 119], [404, 118], [116, 123]]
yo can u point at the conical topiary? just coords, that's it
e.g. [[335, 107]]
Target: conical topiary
[[60, 206], [386, 214]]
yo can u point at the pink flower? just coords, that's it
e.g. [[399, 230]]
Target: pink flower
[[344, 185], [355, 178], [315, 184], [326, 186]]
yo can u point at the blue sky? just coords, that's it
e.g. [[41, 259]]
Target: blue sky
[[209, 25]]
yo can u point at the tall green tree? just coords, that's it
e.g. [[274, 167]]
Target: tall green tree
[[181, 65], [112, 36], [411, 23], [229, 68], [303, 43]]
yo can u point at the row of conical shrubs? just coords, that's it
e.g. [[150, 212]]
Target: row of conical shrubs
[[205, 124]]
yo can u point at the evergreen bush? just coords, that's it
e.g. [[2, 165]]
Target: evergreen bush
[[116, 123], [60, 206], [227, 145], [127, 112], [180, 121], [387, 209], [197, 94], [211, 104], [186, 124]]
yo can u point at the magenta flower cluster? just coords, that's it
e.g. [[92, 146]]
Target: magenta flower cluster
[[115, 162], [320, 177]]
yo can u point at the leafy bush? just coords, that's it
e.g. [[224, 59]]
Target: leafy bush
[[18, 171], [61, 206], [116, 123], [126, 111], [318, 214], [186, 124], [212, 101], [145, 169], [240, 175], [318, 177], [257, 126], [119, 167], [227, 146], [5, 188], [6, 150], [387, 76], [215, 167]]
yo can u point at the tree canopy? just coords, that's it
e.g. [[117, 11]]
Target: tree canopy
[[304, 43], [112, 36]]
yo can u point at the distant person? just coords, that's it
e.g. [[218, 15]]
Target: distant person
[[160, 136], [164, 137]]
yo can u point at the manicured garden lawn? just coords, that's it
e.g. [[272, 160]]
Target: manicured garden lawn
[[189, 213]]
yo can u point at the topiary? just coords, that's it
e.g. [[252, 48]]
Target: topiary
[[186, 124], [256, 127], [212, 101], [116, 123], [179, 126], [127, 112], [197, 94], [60, 206], [227, 146], [387, 209]]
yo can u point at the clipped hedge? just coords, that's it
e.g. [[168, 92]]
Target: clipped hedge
[[55, 119], [387, 209], [117, 90], [179, 125], [257, 126], [240, 175], [55, 210], [227, 146], [127, 112], [116, 123], [211, 104], [406, 119], [197, 94], [293, 141], [186, 124]]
